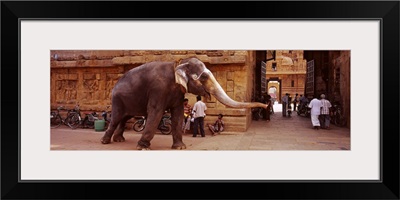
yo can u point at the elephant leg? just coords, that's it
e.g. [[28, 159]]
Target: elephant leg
[[110, 130], [177, 119], [153, 119], [116, 118], [118, 134]]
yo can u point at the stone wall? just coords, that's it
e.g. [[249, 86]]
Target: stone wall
[[340, 62], [87, 77]]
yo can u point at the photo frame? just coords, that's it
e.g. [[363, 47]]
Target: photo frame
[[386, 12]]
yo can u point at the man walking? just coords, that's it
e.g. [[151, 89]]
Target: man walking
[[315, 106], [325, 117], [198, 114], [284, 104]]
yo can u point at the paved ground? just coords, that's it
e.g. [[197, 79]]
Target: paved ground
[[281, 133]]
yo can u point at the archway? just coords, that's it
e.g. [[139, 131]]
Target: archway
[[274, 86]]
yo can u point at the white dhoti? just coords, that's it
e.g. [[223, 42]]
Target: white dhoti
[[315, 120]]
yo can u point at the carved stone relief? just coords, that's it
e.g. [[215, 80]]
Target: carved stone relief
[[66, 88], [111, 80], [91, 93]]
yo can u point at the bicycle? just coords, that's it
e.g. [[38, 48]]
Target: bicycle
[[165, 125], [56, 120], [106, 116], [76, 118], [338, 117]]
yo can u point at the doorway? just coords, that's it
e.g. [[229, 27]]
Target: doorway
[[274, 85]]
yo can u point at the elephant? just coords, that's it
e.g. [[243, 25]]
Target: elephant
[[153, 87]]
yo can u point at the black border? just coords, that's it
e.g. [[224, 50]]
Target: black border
[[387, 11]]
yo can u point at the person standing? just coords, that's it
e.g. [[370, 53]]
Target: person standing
[[315, 106], [295, 100], [187, 109], [303, 102], [263, 100], [269, 108], [325, 111], [198, 114], [284, 104]]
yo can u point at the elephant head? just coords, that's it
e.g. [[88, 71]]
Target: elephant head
[[195, 78]]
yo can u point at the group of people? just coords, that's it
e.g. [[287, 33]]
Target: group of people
[[320, 109], [320, 112], [298, 101], [287, 104], [196, 115]]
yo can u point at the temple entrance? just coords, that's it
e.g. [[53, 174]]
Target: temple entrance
[[274, 86]]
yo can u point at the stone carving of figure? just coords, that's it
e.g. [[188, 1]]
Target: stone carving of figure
[[70, 90], [73, 90], [67, 90], [92, 87], [59, 90], [109, 86]]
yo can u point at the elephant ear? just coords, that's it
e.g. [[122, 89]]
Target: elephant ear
[[181, 77]]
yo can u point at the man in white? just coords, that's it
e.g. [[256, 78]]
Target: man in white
[[198, 114], [315, 106]]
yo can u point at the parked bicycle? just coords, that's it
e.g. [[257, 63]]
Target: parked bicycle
[[165, 125], [106, 116], [56, 120], [338, 117], [76, 118]]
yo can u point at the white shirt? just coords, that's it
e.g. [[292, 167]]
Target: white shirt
[[285, 99], [315, 106], [198, 108]]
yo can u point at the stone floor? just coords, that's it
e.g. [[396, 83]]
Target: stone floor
[[281, 133]]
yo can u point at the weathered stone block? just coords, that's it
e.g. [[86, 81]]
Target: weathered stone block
[[210, 105], [227, 60], [72, 76], [128, 60], [230, 75], [230, 86], [179, 52], [89, 76], [227, 111]]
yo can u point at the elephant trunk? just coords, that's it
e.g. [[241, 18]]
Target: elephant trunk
[[216, 90]]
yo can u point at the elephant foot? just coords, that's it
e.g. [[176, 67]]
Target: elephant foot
[[105, 140], [179, 147], [143, 145], [138, 147], [118, 138]]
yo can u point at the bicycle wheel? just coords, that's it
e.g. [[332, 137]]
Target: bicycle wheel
[[55, 121], [167, 130], [74, 120], [138, 125], [340, 120]]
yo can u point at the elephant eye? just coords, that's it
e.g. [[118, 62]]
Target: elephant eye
[[197, 77], [194, 76]]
